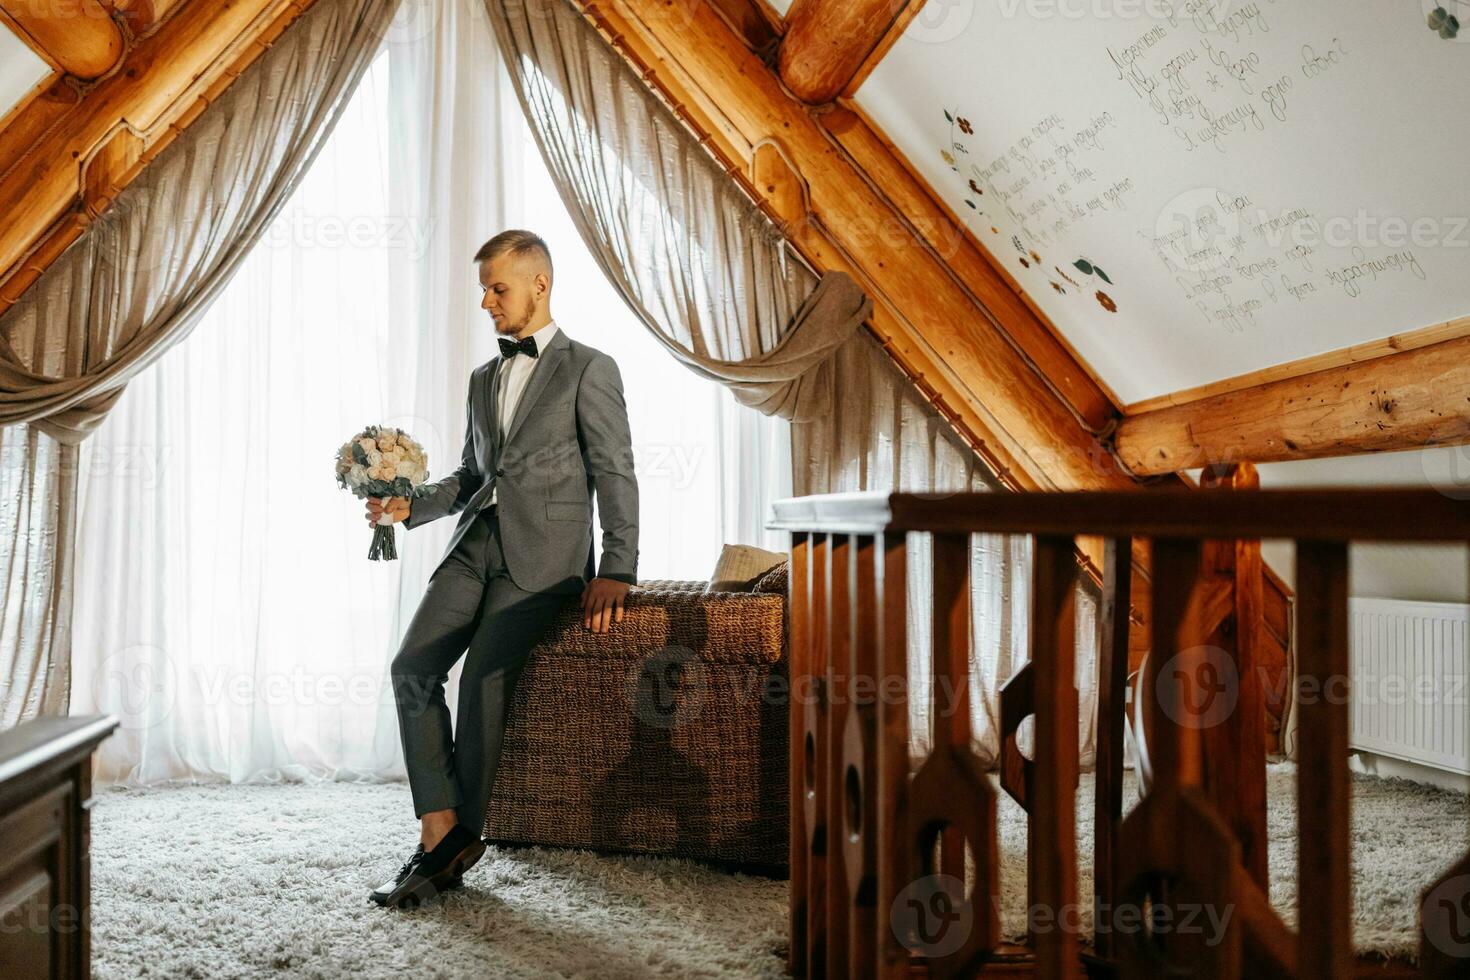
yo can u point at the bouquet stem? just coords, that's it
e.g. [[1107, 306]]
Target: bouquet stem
[[385, 544]]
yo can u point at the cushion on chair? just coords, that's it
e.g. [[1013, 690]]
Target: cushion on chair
[[777, 581], [740, 566]]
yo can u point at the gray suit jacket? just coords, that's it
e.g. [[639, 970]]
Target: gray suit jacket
[[567, 439]]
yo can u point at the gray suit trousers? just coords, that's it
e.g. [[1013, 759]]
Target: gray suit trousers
[[470, 604]]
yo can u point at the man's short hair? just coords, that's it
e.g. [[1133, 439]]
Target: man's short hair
[[515, 242]]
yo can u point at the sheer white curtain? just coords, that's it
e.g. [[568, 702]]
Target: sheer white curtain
[[225, 609]]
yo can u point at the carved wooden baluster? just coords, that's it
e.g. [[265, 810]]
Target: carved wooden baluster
[[1112, 688], [1174, 739], [891, 788], [950, 797], [1173, 849], [858, 794], [1017, 703], [839, 658], [1324, 860], [1235, 750], [1054, 781], [799, 673], [1444, 924], [818, 752], [950, 676]]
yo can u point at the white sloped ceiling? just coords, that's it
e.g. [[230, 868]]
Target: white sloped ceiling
[[1194, 197], [21, 70]]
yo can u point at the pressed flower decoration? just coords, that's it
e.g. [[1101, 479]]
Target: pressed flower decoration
[[1029, 258], [1444, 23]]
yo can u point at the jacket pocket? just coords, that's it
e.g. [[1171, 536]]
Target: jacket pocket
[[568, 511]]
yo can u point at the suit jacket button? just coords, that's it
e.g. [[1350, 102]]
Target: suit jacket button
[[500, 473]]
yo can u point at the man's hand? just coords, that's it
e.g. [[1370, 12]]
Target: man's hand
[[602, 603], [396, 508]]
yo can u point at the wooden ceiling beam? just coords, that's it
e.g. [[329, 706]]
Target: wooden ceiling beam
[[1370, 350], [141, 16], [1408, 400], [831, 46], [78, 37], [756, 23], [165, 81], [941, 336]]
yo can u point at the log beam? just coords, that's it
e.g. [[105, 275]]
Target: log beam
[[141, 16], [78, 36], [832, 45], [166, 80], [754, 22], [1408, 400]]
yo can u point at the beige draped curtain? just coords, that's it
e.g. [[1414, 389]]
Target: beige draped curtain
[[37, 530], [131, 287], [712, 278]]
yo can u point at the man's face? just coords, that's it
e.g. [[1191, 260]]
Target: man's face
[[512, 289]]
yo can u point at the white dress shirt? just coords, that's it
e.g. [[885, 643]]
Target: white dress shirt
[[514, 375]]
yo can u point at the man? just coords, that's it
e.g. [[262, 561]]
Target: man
[[547, 428]]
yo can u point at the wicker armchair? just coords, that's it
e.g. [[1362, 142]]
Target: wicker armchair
[[666, 735]]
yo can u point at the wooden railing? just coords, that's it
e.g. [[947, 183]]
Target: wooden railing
[[880, 883]]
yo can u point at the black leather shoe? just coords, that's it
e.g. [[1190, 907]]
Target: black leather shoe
[[426, 874]]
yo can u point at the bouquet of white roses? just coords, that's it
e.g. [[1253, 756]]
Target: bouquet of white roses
[[383, 462]]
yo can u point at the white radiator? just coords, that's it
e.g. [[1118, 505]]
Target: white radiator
[[1409, 681]]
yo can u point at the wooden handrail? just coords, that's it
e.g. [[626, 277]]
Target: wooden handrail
[[1312, 515]]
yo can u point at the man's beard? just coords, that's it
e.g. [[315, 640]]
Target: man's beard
[[513, 328]]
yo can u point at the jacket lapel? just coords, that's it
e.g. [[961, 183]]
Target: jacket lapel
[[493, 400], [548, 361]]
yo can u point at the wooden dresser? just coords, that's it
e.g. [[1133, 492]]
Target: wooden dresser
[[45, 843]]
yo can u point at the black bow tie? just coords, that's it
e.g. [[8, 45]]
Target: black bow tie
[[510, 348]]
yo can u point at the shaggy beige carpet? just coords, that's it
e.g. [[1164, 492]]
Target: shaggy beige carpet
[[249, 881], [235, 881], [1405, 835]]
